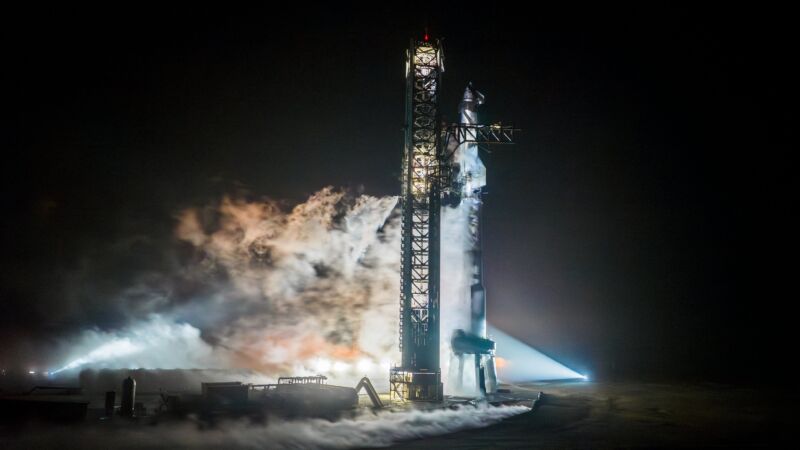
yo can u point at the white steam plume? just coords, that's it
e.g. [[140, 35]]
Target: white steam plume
[[311, 290], [368, 430], [281, 292], [142, 346]]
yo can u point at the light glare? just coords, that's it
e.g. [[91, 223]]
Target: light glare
[[521, 362], [364, 365]]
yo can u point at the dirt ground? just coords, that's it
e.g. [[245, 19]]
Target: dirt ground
[[570, 415], [635, 415]]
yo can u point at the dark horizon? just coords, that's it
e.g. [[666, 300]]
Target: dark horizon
[[636, 230]]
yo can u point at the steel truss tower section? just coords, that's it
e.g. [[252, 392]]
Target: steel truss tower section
[[419, 376]]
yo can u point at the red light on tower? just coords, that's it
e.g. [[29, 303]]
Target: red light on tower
[[426, 37]]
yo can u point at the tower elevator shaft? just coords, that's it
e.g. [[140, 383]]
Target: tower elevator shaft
[[419, 375]]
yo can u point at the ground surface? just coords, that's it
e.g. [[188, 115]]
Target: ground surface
[[635, 415], [571, 415]]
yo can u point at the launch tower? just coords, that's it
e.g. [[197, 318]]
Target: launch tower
[[435, 167], [419, 376]]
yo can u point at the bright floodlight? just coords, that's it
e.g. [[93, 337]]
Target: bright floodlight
[[518, 361], [364, 365], [114, 349]]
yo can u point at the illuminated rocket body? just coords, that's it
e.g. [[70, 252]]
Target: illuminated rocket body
[[470, 179]]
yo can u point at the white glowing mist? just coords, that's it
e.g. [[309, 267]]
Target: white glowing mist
[[366, 431], [155, 343], [456, 267], [309, 290], [312, 290], [114, 349], [318, 283]]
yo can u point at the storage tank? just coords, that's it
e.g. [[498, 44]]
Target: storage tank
[[110, 397], [128, 397]]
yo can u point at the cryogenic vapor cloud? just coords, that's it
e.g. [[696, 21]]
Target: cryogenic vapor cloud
[[311, 283], [254, 285], [261, 287], [367, 430], [143, 346]]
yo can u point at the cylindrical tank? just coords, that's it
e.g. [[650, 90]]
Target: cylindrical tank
[[110, 397], [491, 373], [128, 397]]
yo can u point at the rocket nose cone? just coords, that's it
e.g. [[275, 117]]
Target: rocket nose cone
[[468, 94], [471, 95]]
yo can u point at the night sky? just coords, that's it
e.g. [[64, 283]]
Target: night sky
[[639, 229]]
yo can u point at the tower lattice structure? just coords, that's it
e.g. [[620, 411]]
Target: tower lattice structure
[[419, 377]]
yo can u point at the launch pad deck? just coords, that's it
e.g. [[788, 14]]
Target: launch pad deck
[[452, 402]]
